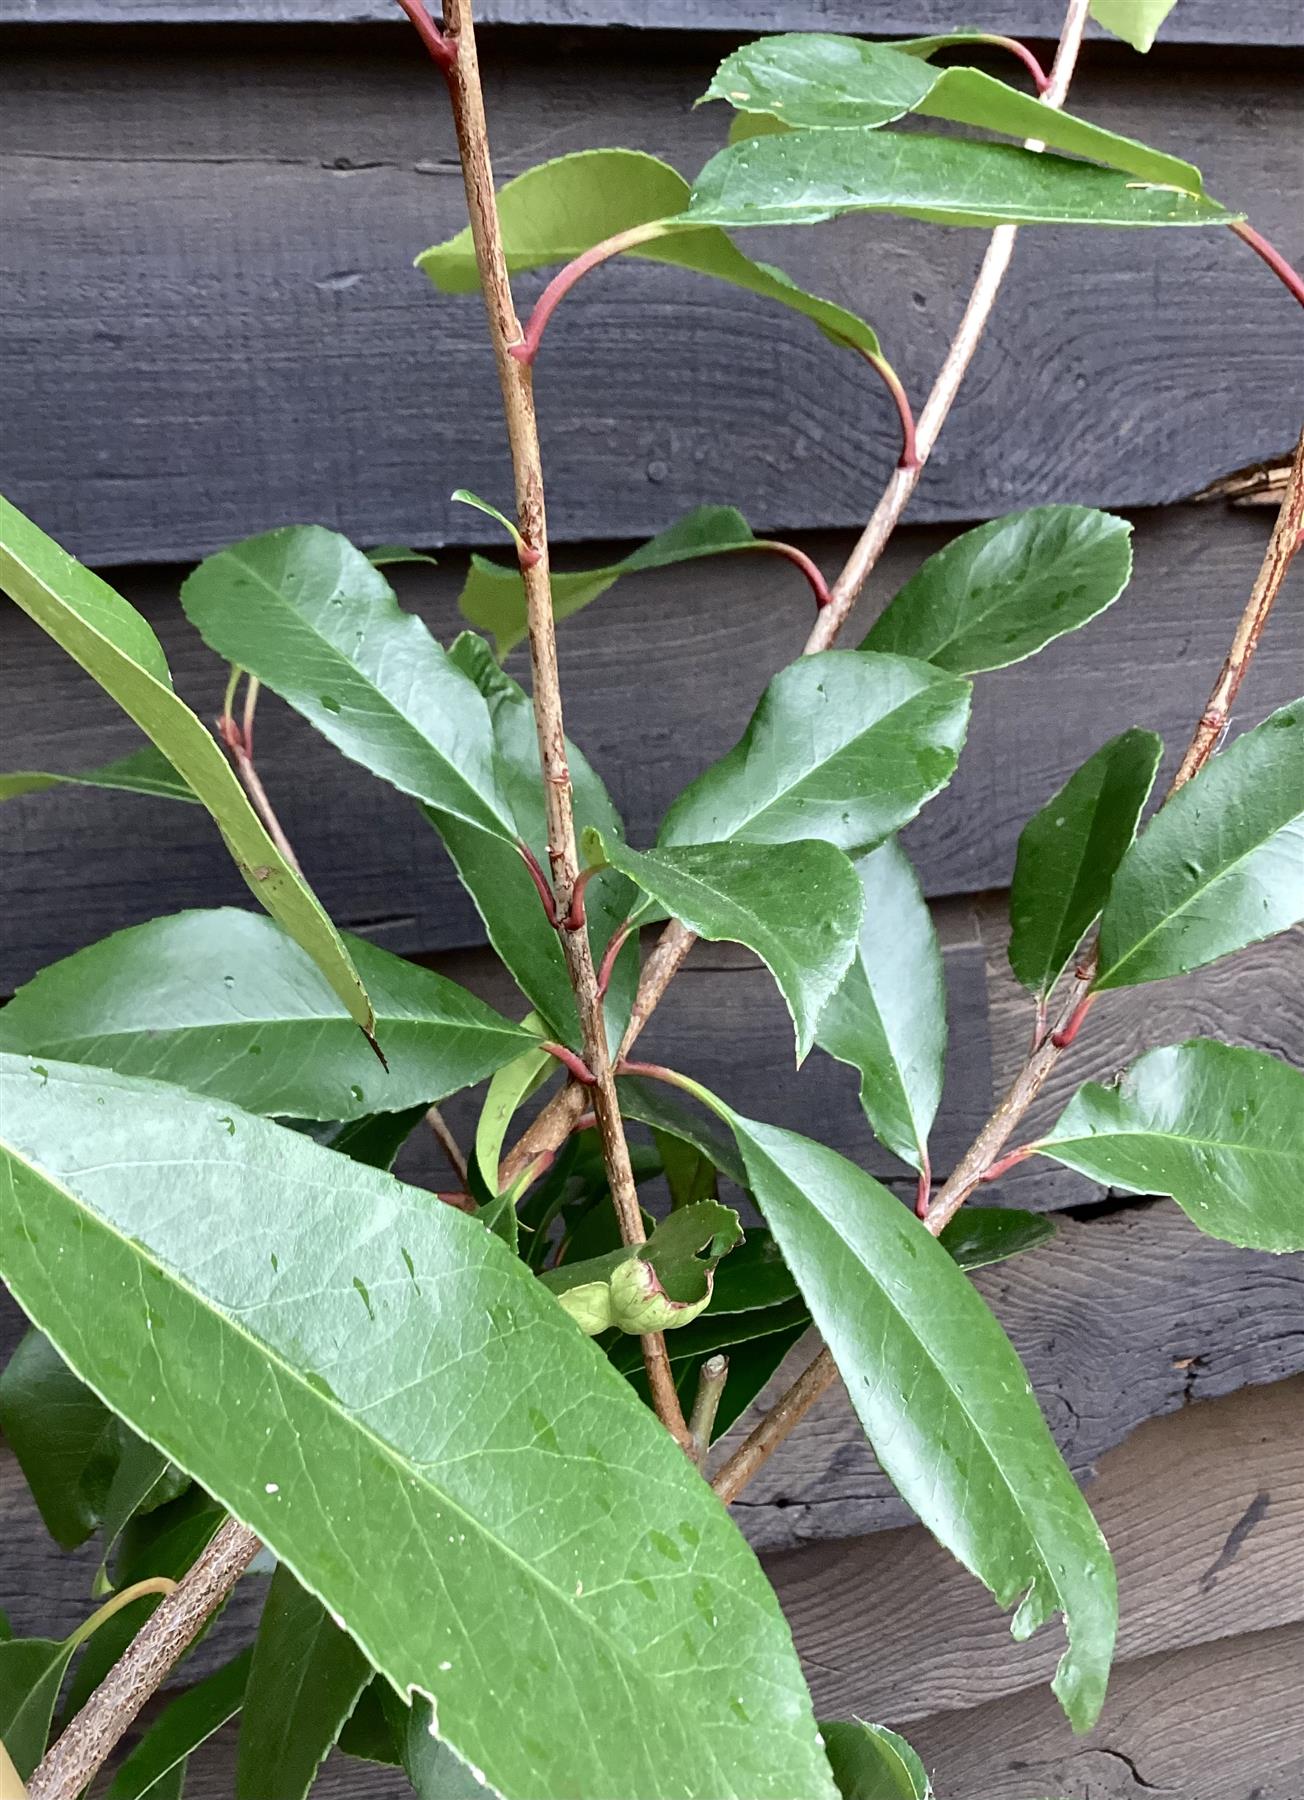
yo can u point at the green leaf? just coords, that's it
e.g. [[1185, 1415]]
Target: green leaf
[[843, 746], [812, 79], [1135, 21], [869, 1762], [1068, 853], [315, 621], [187, 1722], [1218, 1128], [116, 647], [254, 1256], [1218, 867], [803, 177], [556, 211], [796, 905], [142, 1478], [510, 1088], [384, 554], [652, 1103], [31, 1674], [145, 771], [374, 1730], [225, 1003], [434, 1768], [66, 1440], [493, 873], [672, 1249], [979, 1236], [755, 1343], [942, 1396], [1005, 590], [690, 1176], [493, 598], [377, 1138], [306, 1677], [888, 1019], [465, 497]]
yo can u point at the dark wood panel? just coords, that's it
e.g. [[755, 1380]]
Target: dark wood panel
[[1195, 21], [213, 325], [1221, 1722], [1121, 1318], [1203, 1512], [660, 679]]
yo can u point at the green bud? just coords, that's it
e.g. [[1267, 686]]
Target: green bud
[[589, 1305], [639, 1303]]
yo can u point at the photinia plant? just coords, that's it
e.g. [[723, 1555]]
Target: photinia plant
[[472, 1431]]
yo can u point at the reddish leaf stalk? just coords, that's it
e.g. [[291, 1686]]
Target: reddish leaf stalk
[[442, 49], [579, 1069], [909, 459], [1290, 278], [239, 749], [619, 938], [925, 1188], [546, 897], [1023, 53], [818, 586], [565, 279], [1064, 1034], [1007, 1162]]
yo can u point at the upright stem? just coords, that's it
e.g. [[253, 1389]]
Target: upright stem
[[73, 1761], [463, 77]]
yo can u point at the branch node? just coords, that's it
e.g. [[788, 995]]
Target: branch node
[[579, 1069]]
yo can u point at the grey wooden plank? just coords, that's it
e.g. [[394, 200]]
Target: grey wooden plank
[[1218, 1722], [1121, 1318], [684, 654], [1203, 1512], [213, 325], [1195, 21]]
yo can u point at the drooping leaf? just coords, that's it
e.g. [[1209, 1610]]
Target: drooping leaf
[[434, 1768], [225, 1003], [31, 1674], [66, 1441], [116, 647], [1219, 867], [1219, 1128], [511, 1086], [843, 746], [305, 1680], [145, 771], [188, 1721], [385, 554], [942, 1396], [1005, 590], [1068, 853], [493, 873], [813, 79], [554, 212], [143, 1477], [315, 621], [690, 1176], [493, 598], [797, 905], [888, 1019], [869, 1762], [465, 497], [804, 177], [652, 1103], [462, 1408], [1137, 22], [979, 1236]]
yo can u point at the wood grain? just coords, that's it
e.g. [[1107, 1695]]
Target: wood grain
[[1123, 1317], [1218, 1722], [685, 653], [213, 325], [1203, 1510]]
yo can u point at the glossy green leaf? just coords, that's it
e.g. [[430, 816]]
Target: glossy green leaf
[[465, 497], [145, 771], [187, 1721], [813, 79], [374, 1730], [754, 1342], [31, 1674], [654, 1104], [1135, 21], [377, 1138], [843, 746], [683, 1249], [554, 212], [237, 1263], [116, 647], [803, 177], [888, 1019], [434, 1768], [1068, 853], [942, 1396], [510, 1088], [1005, 590], [66, 1441], [143, 1478], [869, 1762], [979, 1236], [385, 554], [494, 875], [1218, 1128], [225, 1003], [316, 622], [1220, 866], [493, 598], [796, 905], [306, 1677]]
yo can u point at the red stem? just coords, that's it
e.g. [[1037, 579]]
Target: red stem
[[609, 955], [910, 457], [564, 280], [1073, 1024], [995, 1170], [1290, 278], [546, 896], [443, 50], [818, 586], [574, 920], [577, 1066], [1024, 55], [925, 1188]]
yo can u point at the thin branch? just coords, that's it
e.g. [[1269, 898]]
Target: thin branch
[[815, 1379], [1290, 278], [463, 77], [234, 742], [711, 1378], [73, 1761], [444, 1137]]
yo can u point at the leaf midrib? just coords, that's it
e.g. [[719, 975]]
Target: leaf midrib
[[1198, 1143], [276, 1359]]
